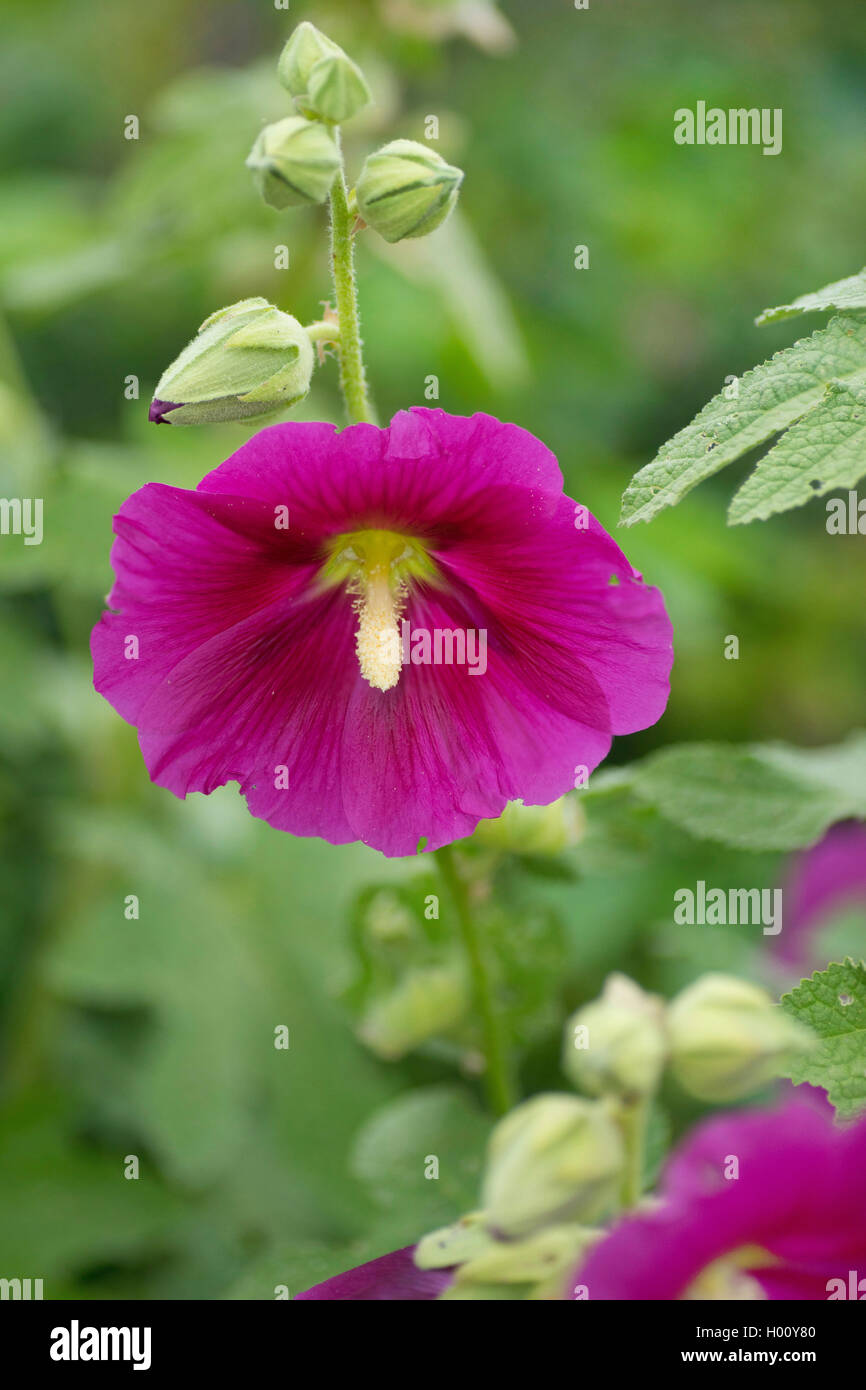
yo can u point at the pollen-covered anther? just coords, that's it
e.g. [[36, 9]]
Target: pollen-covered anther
[[377, 641], [378, 568]]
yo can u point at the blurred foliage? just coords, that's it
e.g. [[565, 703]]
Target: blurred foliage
[[155, 1036]]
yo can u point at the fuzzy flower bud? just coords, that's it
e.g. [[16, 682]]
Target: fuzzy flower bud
[[294, 161], [535, 1268], [553, 1158], [538, 830], [246, 360], [321, 77], [616, 1045], [425, 1003], [728, 1038], [406, 190]]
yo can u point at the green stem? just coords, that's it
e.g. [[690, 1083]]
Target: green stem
[[633, 1117], [352, 376], [322, 331], [497, 1077]]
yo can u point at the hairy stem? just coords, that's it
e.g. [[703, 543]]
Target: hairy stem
[[497, 1078], [322, 331], [352, 375]]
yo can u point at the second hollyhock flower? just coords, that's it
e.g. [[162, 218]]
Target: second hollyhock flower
[[382, 634]]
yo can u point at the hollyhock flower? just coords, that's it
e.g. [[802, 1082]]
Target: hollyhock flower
[[792, 1221], [391, 1277], [382, 634], [820, 883]]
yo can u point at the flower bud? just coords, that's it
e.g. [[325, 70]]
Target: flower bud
[[536, 1268], [246, 360], [616, 1045], [406, 190], [294, 162], [321, 77], [425, 1003], [534, 829], [455, 1244], [728, 1038], [555, 1157]]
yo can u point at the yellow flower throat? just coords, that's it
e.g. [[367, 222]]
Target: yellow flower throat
[[376, 568]]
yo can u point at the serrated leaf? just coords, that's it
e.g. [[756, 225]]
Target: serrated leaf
[[849, 293], [770, 398], [826, 449], [832, 1003], [758, 797]]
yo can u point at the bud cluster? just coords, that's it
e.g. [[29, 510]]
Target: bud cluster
[[405, 189], [558, 1166], [721, 1038], [250, 359], [552, 1170]]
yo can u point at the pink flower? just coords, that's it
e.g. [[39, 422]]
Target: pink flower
[[822, 881], [280, 627], [776, 1197], [393, 1277]]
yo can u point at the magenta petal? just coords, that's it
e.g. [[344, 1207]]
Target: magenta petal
[[799, 1196], [429, 474], [159, 409], [591, 645], [820, 882], [188, 568], [451, 747], [393, 1276]]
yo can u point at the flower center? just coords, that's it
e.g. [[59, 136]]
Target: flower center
[[376, 567], [727, 1277]]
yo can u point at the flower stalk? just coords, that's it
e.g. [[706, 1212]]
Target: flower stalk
[[353, 379], [323, 331], [497, 1072], [633, 1117]]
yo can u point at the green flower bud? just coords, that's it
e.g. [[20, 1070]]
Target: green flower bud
[[248, 359], [406, 190], [454, 1245], [616, 1045], [534, 829], [305, 47], [426, 1003], [555, 1157], [294, 162], [321, 77], [535, 1268], [728, 1038], [338, 89]]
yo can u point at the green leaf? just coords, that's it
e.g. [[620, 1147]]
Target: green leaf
[[833, 1003], [394, 1149], [826, 449], [770, 398], [296, 1266], [842, 294], [759, 797], [65, 1203]]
